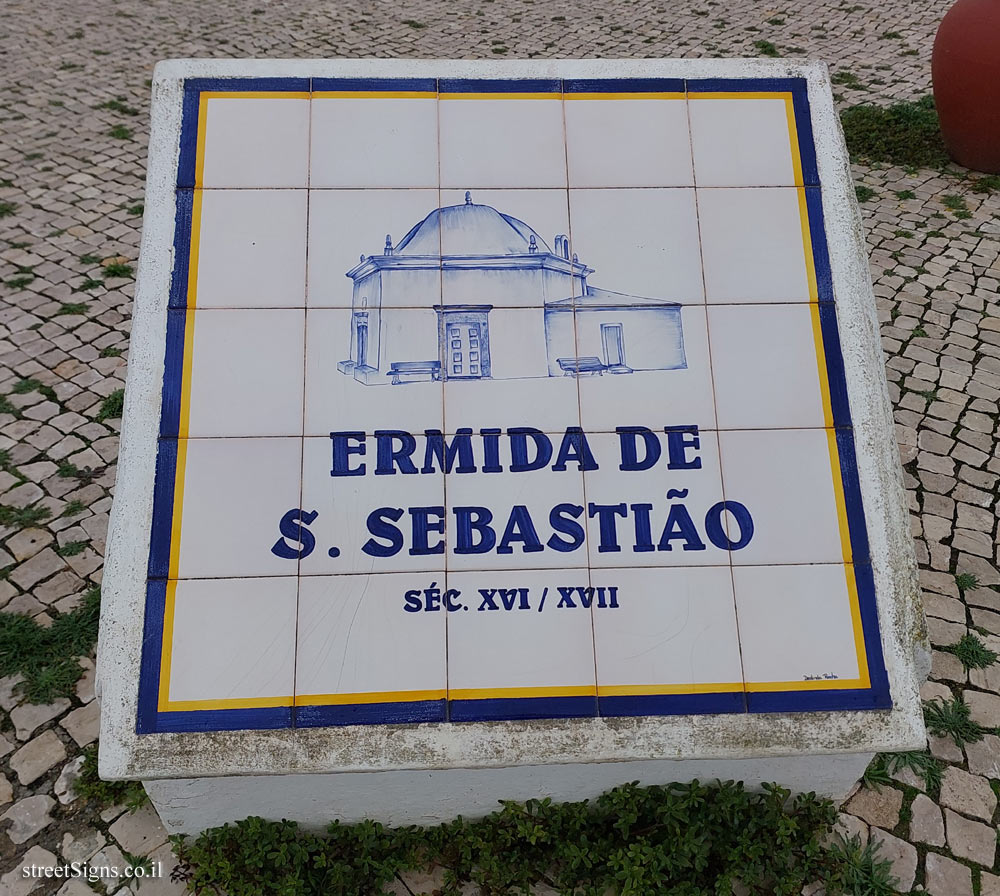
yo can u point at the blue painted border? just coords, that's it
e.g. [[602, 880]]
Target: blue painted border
[[152, 645], [797, 87], [226, 719], [421, 85], [193, 88], [500, 85], [371, 713], [149, 720], [623, 85], [672, 704], [512, 708]]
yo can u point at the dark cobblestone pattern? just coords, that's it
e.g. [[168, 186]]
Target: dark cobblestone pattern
[[73, 131]]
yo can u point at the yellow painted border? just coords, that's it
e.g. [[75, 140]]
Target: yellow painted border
[[164, 702], [500, 96], [374, 95]]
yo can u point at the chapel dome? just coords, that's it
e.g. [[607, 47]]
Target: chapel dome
[[471, 229]]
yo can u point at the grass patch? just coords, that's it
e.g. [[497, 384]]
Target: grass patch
[[956, 204], [848, 79], [23, 387], [111, 351], [48, 657], [117, 105], [89, 260], [111, 407], [920, 333], [687, 839], [7, 208], [71, 308], [88, 284], [107, 793], [966, 581], [135, 209], [864, 193], [20, 281], [120, 132], [766, 48], [904, 134], [863, 871], [414, 24], [72, 548], [118, 269], [989, 183], [22, 518], [951, 718], [905, 194], [973, 653], [73, 507], [885, 765]]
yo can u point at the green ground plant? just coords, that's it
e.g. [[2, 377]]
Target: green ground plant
[[107, 793], [47, 656], [905, 134], [683, 839], [952, 718], [973, 653], [112, 406]]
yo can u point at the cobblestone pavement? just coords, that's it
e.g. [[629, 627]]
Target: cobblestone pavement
[[73, 132]]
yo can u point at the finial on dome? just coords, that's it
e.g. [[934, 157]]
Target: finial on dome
[[532, 244], [468, 197], [576, 258], [362, 256], [388, 244]]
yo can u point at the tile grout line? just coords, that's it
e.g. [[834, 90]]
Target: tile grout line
[[579, 407], [715, 409], [302, 440]]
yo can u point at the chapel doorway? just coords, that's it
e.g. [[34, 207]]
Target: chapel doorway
[[464, 337], [613, 340]]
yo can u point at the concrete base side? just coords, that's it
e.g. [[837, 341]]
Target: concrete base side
[[190, 805]]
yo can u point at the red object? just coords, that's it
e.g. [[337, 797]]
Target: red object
[[966, 73]]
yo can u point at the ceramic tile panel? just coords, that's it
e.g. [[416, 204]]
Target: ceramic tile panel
[[492, 399], [664, 636], [374, 504], [636, 139], [785, 389], [655, 364], [238, 152], [250, 248], [233, 640], [374, 139], [356, 378], [743, 142], [506, 248], [246, 375], [515, 499], [539, 616], [497, 370], [232, 493], [655, 498], [797, 625], [370, 650], [792, 480], [372, 247], [501, 134], [752, 245], [642, 243]]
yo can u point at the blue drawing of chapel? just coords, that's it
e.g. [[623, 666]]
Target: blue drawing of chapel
[[494, 262]]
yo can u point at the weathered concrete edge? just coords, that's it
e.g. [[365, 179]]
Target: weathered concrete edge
[[485, 745]]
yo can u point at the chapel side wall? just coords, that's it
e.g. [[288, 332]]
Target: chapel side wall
[[653, 337], [517, 344]]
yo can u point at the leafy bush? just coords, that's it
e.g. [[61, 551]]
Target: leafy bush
[[683, 839]]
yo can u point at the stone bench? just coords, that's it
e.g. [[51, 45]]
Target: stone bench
[[414, 371], [581, 366]]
